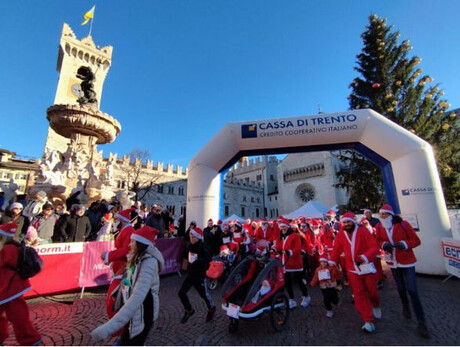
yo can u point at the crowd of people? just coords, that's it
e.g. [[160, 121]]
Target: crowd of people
[[329, 253]]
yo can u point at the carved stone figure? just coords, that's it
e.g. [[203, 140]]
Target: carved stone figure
[[9, 191], [125, 198], [88, 77]]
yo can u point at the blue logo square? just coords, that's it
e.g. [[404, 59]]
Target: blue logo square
[[248, 131], [405, 192]]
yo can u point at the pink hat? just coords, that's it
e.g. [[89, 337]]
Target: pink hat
[[124, 215], [386, 209], [8, 229], [145, 235], [198, 233], [349, 216]]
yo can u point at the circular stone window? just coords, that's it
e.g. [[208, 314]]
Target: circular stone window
[[305, 192]]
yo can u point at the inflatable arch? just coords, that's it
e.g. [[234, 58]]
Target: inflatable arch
[[408, 165]]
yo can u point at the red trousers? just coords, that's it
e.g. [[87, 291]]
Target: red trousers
[[17, 312], [378, 266], [365, 293]]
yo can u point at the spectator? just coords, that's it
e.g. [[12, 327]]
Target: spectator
[[105, 232], [142, 283], [181, 226], [13, 307], [44, 223], [35, 206], [156, 220], [14, 214], [76, 227], [372, 220], [94, 215]]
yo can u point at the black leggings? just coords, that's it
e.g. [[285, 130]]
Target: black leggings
[[201, 287], [330, 297], [299, 277], [139, 339]]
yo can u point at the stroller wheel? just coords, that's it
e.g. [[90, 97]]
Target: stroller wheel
[[233, 325], [279, 311], [212, 283]]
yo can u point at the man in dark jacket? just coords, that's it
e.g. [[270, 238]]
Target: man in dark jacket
[[14, 214], [212, 238], [156, 220], [76, 227], [198, 259]]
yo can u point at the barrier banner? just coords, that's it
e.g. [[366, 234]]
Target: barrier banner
[[61, 268], [172, 250], [451, 254], [93, 271]]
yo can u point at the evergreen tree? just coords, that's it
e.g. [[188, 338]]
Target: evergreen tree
[[391, 84]]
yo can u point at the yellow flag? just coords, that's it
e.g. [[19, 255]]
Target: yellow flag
[[88, 15]]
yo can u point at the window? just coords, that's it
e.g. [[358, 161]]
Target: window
[[226, 210], [247, 179], [180, 190], [265, 211], [243, 212], [276, 198], [244, 198], [257, 213], [252, 199], [270, 198], [225, 195], [182, 210], [170, 189], [160, 188], [259, 178], [272, 178]]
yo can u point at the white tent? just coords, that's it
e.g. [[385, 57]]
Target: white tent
[[312, 209], [232, 218]]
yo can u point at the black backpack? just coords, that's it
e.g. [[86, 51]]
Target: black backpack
[[29, 262]]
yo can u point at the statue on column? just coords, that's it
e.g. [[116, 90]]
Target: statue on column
[[87, 86], [9, 192]]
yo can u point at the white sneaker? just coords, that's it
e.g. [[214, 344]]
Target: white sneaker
[[292, 304], [329, 314], [368, 327], [377, 312], [305, 301]]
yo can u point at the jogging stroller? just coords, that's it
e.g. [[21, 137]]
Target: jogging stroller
[[220, 267], [255, 286]]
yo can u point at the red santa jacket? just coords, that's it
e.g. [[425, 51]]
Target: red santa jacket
[[314, 245], [327, 237], [266, 234], [12, 286], [291, 243], [359, 246], [325, 282], [401, 232], [117, 257]]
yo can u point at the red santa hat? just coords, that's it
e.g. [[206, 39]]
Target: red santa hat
[[348, 216], [283, 222], [264, 220], [363, 221], [145, 235], [314, 223], [302, 220], [237, 223], [210, 220], [219, 222], [124, 215], [225, 226], [8, 229], [198, 233], [386, 209], [330, 213]]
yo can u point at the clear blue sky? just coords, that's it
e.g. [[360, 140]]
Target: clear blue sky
[[181, 69]]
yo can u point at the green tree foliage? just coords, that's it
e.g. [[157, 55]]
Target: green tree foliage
[[392, 84]]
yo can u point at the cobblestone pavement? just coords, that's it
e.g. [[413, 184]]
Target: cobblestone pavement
[[62, 324]]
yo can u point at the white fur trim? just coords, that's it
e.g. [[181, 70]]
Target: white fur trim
[[332, 263], [283, 225], [383, 210], [364, 258], [348, 219], [198, 236], [119, 216], [141, 239], [7, 234], [405, 245]]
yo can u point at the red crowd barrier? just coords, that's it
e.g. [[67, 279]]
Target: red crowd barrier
[[69, 266]]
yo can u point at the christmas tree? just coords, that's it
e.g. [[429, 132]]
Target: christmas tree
[[392, 84]]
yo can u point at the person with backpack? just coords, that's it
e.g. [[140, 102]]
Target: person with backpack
[[397, 238], [13, 307], [139, 289]]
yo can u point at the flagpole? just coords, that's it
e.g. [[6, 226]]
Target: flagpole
[[91, 25]]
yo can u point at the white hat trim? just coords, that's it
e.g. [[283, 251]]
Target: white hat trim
[[119, 216], [348, 219], [283, 225], [141, 239], [383, 210], [195, 233], [5, 233]]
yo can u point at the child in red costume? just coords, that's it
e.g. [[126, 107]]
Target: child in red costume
[[326, 276], [13, 307]]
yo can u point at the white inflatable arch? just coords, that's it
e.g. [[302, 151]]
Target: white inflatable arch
[[408, 165]]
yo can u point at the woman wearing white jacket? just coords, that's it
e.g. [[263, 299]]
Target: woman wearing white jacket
[[139, 288]]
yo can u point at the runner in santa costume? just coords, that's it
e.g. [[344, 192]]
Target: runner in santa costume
[[397, 238], [117, 257], [377, 262], [264, 231], [314, 245], [13, 307], [329, 231], [289, 248], [360, 250], [242, 239], [326, 277]]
